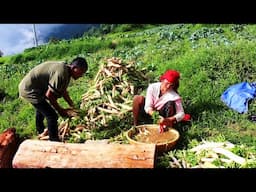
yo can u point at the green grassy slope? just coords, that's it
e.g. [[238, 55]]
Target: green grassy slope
[[210, 58]]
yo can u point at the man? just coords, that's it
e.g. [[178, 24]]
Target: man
[[44, 84], [161, 97]]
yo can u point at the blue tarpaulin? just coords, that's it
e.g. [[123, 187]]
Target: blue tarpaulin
[[237, 96]]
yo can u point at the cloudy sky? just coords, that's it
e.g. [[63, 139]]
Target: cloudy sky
[[14, 38]]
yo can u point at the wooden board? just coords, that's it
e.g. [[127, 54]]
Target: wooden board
[[48, 154]]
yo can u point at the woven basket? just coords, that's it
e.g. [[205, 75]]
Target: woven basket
[[160, 147]]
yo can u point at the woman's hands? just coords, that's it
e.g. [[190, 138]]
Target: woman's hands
[[164, 122], [156, 117]]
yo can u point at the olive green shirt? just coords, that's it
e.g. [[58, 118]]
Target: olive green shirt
[[52, 74]]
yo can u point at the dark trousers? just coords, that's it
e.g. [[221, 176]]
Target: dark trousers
[[45, 110], [167, 110]]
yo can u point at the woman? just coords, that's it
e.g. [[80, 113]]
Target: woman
[[161, 97]]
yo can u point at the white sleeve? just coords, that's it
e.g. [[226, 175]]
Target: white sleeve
[[149, 99], [179, 110]]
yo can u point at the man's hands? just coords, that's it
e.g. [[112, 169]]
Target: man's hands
[[69, 112], [63, 113]]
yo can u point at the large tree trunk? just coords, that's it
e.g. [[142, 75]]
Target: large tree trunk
[[9, 142], [48, 154]]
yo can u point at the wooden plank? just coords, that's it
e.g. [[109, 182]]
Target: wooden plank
[[9, 142], [48, 154]]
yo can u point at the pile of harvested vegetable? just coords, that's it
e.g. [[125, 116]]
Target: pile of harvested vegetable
[[112, 92]]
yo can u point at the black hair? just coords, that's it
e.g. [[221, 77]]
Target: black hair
[[80, 62]]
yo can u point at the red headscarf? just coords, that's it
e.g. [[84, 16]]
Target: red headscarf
[[173, 77]]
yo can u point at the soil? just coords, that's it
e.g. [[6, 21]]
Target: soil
[[152, 135]]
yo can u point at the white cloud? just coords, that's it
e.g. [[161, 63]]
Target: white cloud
[[15, 38]]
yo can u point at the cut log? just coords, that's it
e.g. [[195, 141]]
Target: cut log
[[9, 142], [48, 154]]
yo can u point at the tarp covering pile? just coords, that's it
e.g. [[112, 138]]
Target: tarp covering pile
[[238, 96]]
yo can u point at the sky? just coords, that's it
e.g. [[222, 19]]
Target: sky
[[15, 38]]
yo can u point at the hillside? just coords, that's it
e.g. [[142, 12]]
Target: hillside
[[210, 58]]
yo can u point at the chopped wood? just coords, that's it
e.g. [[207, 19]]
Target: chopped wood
[[76, 135], [184, 164], [65, 130], [44, 137], [207, 165], [214, 150], [142, 74], [111, 64], [113, 91], [112, 106], [211, 154], [126, 83], [96, 95], [80, 127], [132, 89], [115, 72], [119, 73], [207, 159], [128, 108], [62, 126], [97, 75], [108, 72], [230, 155], [121, 97], [97, 118], [115, 60], [119, 86], [211, 145], [176, 162], [92, 111], [45, 133], [112, 111], [112, 102], [226, 160], [101, 87]]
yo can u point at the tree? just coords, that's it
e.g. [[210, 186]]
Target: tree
[[1, 53]]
